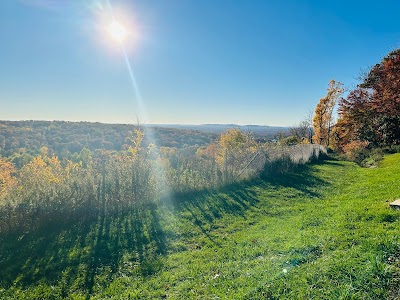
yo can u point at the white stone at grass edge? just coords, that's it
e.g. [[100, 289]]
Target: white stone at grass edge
[[395, 204]]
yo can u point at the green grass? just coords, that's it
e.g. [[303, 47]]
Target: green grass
[[324, 231]]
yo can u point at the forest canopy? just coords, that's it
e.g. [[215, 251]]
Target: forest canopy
[[22, 140]]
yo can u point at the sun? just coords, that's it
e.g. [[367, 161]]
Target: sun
[[117, 31]]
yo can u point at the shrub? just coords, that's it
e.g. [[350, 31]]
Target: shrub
[[356, 151], [374, 157]]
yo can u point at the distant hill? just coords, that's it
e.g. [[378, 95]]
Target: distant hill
[[259, 131]]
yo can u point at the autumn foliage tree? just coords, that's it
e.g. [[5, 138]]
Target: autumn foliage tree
[[371, 113], [356, 120], [7, 179], [323, 116], [233, 145], [384, 82]]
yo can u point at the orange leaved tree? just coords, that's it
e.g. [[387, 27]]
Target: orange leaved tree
[[323, 118]]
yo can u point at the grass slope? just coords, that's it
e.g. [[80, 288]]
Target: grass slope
[[323, 232]]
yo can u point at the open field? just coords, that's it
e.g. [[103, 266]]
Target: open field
[[324, 231]]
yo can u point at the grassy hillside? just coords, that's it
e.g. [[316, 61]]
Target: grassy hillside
[[323, 232]]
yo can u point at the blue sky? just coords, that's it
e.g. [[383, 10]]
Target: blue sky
[[195, 62]]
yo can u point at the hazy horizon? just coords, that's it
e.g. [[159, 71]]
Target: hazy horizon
[[148, 124]]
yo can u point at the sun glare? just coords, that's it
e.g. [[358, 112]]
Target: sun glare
[[117, 31]]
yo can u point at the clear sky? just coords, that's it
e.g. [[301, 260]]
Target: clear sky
[[195, 61]]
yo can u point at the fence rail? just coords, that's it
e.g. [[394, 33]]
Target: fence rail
[[236, 165], [297, 154]]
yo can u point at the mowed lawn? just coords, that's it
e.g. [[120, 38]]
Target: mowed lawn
[[324, 231]]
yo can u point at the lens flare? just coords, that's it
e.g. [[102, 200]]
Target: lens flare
[[117, 31]]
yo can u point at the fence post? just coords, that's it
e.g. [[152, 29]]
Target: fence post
[[103, 187], [178, 167], [226, 166]]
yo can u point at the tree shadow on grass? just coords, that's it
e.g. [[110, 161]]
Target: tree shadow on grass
[[302, 178], [204, 207], [79, 252]]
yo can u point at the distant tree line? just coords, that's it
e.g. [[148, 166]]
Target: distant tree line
[[20, 141]]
